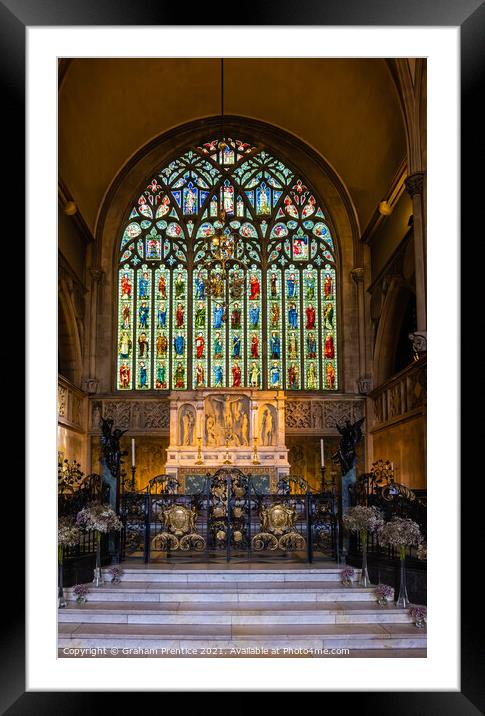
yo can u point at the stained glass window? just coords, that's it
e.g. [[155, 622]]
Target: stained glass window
[[280, 332]]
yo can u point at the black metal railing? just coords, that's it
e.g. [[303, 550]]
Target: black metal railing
[[70, 501], [393, 500], [228, 515]]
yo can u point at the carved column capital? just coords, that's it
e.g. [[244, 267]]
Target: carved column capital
[[96, 274], [414, 184], [90, 385], [357, 274], [364, 384]]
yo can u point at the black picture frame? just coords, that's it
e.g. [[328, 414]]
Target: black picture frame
[[469, 15]]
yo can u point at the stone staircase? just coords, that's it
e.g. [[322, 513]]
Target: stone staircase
[[278, 612]]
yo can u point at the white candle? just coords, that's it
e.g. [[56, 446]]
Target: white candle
[[322, 453], [133, 452]]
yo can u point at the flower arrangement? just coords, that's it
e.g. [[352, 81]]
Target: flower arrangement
[[346, 575], [80, 591], [422, 551], [362, 519], [384, 592], [102, 519], [99, 517], [400, 532], [116, 573], [68, 533], [419, 616]]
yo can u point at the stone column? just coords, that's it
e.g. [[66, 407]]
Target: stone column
[[199, 422], [174, 427], [414, 187], [254, 419], [280, 401], [90, 383], [364, 380]]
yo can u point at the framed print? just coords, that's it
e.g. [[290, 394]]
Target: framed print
[[232, 259]]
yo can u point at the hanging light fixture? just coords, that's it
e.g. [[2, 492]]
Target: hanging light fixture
[[224, 248]]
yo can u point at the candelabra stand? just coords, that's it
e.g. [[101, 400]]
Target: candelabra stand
[[199, 460], [255, 452], [133, 470], [323, 469]]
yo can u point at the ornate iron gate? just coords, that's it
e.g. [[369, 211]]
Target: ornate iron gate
[[228, 517]]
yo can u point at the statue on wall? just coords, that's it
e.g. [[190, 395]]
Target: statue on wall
[[351, 435], [225, 421], [245, 430], [110, 446], [227, 402], [187, 423], [267, 427], [211, 431]]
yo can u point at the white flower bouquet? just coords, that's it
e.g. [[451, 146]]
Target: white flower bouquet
[[98, 517], [363, 519], [400, 532]]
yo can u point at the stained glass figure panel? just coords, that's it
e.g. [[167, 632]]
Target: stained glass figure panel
[[236, 347], [292, 328], [126, 293], [179, 328], [144, 326], [200, 342], [274, 319], [329, 328], [161, 378], [311, 329], [255, 333]]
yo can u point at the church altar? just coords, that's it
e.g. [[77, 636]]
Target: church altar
[[240, 427]]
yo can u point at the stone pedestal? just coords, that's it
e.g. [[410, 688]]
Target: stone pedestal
[[346, 481], [239, 427], [108, 479]]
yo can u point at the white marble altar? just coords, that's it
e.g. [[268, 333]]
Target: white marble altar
[[240, 427]]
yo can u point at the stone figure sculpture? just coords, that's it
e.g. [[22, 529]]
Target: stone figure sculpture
[[267, 428], [188, 427]]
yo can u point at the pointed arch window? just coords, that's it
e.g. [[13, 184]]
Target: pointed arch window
[[172, 334]]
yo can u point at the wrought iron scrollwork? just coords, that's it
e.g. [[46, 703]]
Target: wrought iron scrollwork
[[278, 520], [228, 515], [377, 488]]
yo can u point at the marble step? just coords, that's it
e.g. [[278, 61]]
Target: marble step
[[216, 574], [289, 591], [235, 636], [227, 613]]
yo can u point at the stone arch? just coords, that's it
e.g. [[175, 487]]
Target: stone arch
[[342, 220], [69, 342], [393, 311]]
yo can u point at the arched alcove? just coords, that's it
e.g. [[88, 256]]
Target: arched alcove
[[69, 347], [397, 320], [139, 171]]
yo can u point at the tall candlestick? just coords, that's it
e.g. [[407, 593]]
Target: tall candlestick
[[322, 452], [133, 452]]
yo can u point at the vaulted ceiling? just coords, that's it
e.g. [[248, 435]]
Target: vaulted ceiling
[[346, 109]]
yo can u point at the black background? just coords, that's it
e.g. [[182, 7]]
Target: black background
[[15, 15]]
